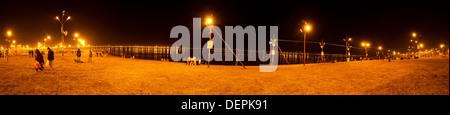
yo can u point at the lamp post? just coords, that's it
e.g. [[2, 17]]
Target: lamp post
[[365, 45], [379, 50], [321, 53], [411, 46], [62, 21], [347, 47], [209, 24], [307, 29], [8, 43]]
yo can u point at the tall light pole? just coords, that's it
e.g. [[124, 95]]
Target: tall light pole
[[365, 45], [379, 50], [62, 21], [8, 43], [347, 47], [307, 28], [321, 46], [209, 24]]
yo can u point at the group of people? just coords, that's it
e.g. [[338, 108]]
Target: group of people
[[50, 57], [40, 59], [194, 61], [78, 60]]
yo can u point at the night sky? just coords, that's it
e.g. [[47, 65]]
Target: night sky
[[389, 24]]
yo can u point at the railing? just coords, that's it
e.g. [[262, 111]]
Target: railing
[[163, 52]]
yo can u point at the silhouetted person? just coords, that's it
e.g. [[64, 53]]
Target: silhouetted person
[[40, 59], [7, 54], [90, 57], [78, 54], [50, 57]]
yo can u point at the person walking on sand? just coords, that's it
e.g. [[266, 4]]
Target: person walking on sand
[[90, 57], [78, 54], [50, 57], [40, 59]]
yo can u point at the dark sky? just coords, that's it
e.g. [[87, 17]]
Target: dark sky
[[385, 23]]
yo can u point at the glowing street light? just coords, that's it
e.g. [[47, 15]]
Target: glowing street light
[[307, 28], [442, 46], [48, 37], [82, 42], [14, 41], [347, 47], [365, 45], [379, 50], [209, 22], [421, 45], [413, 34], [321, 53], [62, 22], [9, 33]]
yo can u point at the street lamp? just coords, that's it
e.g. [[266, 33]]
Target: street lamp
[[209, 22], [9, 33], [321, 53], [62, 22], [307, 29], [8, 43], [347, 47], [81, 41], [379, 50], [365, 45]]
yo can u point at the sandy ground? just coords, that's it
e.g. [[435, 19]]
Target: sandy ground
[[122, 76]]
